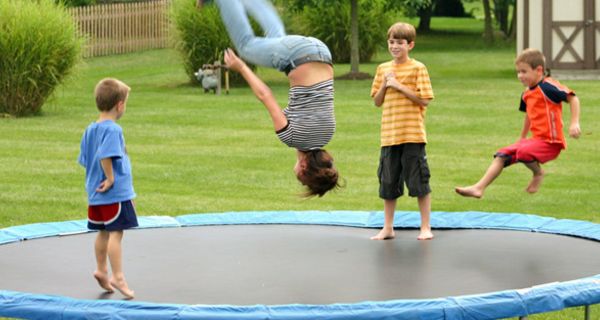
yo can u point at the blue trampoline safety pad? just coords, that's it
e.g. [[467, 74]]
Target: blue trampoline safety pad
[[503, 304]]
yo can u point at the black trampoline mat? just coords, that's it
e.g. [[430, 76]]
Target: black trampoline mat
[[308, 264]]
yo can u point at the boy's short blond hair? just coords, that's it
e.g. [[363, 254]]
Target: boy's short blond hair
[[401, 30], [109, 92], [533, 57]]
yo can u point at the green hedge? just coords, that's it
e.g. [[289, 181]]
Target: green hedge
[[39, 48]]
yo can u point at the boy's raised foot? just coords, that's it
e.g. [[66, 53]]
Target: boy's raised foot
[[425, 234], [102, 278], [469, 192], [122, 286], [535, 183], [384, 234]]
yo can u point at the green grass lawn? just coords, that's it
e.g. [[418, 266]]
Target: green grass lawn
[[195, 153]]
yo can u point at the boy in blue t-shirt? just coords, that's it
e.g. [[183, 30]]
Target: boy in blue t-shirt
[[109, 184]]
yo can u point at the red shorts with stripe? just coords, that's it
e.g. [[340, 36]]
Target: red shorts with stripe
[[112, 217], [529, 150]]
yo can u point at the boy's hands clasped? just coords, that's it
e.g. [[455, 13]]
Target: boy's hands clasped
[[390, 81]]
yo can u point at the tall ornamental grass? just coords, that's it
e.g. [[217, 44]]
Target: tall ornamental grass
[[200, 36], [38, 49]]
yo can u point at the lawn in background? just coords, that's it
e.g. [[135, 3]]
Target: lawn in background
[[194, 152]]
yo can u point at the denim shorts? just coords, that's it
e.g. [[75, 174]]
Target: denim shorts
[[285, 53], [298, 50], [403, 164]]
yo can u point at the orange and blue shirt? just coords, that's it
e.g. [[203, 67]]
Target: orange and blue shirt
[[402, 120], [543, 105]]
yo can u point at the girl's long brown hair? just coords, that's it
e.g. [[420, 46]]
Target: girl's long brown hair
[[320, 175]]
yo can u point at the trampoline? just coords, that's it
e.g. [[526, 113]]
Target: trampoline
[[307, 265]]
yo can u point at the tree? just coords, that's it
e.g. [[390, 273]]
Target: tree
[[354, 57], [416, 8], [488, 33], [354, 74], [512, 32], [425, 12], [501, 10]]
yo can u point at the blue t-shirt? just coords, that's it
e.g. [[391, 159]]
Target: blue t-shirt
[[100, 141]]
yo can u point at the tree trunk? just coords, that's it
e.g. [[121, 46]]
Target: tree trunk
[[512, 32], [488, 33], [425, 14], [354, 74], [501, 13], [354, 54]]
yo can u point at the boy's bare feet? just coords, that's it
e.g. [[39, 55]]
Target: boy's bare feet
[[535, 183], [122, 286], [469, 192], [102, 279], [384, 234], [425, 234]]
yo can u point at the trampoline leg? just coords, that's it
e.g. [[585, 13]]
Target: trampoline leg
[[523, 318], [587, 312]]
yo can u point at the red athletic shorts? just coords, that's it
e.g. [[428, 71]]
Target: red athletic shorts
[[112, 217], [529, 150]]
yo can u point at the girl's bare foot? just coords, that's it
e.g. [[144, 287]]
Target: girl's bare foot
[[425, 235], [535, 183], [469, 192], [122, 286], [384, 234], [102, 278]]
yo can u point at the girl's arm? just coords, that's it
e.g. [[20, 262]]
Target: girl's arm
[[260, 89], [107, 167]]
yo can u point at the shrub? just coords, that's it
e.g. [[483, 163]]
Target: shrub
[[329, 21], [75, 3], [39, 47], [200, 37]]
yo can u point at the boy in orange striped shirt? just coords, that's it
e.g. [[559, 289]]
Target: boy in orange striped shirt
[[542, 103], [402, 86]]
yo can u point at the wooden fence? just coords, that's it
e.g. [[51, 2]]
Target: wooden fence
[[123, 27]]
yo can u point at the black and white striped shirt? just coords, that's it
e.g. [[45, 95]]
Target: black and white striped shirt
[[311, 121]]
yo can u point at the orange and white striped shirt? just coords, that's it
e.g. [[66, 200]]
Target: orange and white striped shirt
[[402, 120]]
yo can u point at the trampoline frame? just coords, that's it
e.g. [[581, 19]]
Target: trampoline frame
[[503, 304]]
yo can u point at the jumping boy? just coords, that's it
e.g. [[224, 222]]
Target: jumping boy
[[542, 104], [109, 183], [402, 86]]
